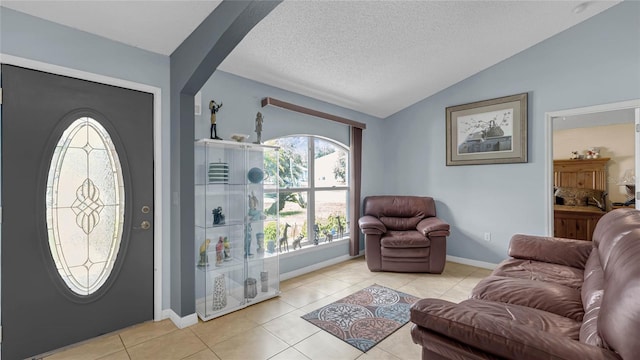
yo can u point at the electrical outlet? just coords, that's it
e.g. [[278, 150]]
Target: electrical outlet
[[487, 236]]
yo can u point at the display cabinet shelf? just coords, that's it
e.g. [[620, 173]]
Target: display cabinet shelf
[[234, 267]]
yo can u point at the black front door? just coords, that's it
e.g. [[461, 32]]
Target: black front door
[[77, 200]]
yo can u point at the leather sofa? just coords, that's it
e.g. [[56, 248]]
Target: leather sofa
[[403, 234], [554, 299]]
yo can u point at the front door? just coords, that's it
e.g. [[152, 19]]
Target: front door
[[77, 210]]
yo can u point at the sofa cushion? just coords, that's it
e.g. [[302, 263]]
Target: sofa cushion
[[554, 298], [536, 319], [591, 293], [541, 271]]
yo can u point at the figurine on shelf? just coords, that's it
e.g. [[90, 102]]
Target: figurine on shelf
[[204, 259], [247, 241], [316, 236], [259, 120], [218, 216], [260, 242], [254, 213], [227, 249], [574, 155], [219, 248], [214, 107]]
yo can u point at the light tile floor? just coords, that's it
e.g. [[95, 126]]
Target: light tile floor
[[273, 329]]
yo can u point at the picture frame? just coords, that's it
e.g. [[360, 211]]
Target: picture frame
[[491, 131]]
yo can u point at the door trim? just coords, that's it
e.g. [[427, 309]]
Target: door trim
[[549, 115], [157, 154]]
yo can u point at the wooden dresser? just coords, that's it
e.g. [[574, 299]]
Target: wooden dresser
[[578, 222]]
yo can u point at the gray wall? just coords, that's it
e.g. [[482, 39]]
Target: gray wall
[[241, 102], [37, 39], [595, 62]]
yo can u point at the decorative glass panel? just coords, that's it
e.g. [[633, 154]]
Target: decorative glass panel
[[85, 206]]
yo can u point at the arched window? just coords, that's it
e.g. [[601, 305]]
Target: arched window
[[314, 189]]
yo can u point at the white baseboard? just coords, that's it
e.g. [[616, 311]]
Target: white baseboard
[[317, 266], [180, 322], [476, 263]]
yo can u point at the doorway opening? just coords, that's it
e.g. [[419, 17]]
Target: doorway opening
[[588, 128]]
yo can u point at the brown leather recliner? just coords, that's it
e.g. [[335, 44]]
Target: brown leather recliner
[[403, 234]]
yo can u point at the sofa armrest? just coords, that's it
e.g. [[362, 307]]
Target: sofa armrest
[[501, 337], [433, 226], [559, 251], [371, 225]]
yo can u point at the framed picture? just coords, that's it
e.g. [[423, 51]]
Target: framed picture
[[488, 132]]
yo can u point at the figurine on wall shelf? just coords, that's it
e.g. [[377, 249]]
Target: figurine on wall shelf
[[204, 259], [259, 120], [214, 107]]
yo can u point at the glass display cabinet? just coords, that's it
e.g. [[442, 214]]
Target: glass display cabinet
[[236, 225]]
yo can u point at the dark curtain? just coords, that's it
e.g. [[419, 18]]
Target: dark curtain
[[356, 174]]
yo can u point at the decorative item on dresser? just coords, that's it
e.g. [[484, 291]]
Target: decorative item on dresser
[[580, 196]]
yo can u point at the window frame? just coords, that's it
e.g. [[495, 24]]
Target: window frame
[[311, 190]]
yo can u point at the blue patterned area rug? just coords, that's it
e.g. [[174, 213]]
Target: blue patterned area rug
[[366, 317]]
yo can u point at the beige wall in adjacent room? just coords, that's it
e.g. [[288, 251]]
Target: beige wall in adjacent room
[[615, 142]]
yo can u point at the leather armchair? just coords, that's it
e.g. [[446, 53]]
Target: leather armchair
[[403, 234]]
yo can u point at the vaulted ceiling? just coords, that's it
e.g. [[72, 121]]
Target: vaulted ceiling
[[376, 57]]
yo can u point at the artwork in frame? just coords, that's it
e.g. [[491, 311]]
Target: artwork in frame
[[488, 132]]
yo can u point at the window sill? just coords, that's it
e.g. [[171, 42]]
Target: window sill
[[312, 248]]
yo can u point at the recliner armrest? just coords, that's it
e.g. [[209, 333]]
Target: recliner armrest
[[433, 226], [552, 250], [371, 225], [501, 337]]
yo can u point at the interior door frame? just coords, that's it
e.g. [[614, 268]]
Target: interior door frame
[[630, 104], [157, 154]]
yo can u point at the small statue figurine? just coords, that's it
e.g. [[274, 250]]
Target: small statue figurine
[[254, 213], [316, 236], [214, 107], [219, 247], [218, 216], [340, 227], [247, 241], [259, 128], [227, 249], [260, 243], [204, 259]]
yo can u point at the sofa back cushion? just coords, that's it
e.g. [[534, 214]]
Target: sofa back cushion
[[619, 320], [610, 227], [399, 212]]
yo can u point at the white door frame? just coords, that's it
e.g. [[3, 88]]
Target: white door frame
[[157, 153], [630, 104]]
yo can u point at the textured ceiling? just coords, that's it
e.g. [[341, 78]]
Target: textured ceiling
[[376, 57]]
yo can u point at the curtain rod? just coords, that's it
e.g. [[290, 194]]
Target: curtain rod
[[297, 108]]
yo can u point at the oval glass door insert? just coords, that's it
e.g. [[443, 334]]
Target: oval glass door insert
[[85, 206]]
